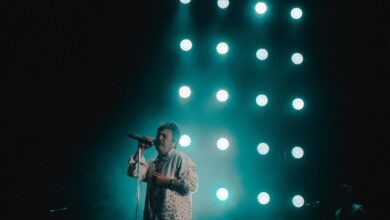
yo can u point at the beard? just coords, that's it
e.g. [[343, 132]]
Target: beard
[[163, 149]]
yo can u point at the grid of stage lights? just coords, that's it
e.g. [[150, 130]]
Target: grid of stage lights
[[262, 56]]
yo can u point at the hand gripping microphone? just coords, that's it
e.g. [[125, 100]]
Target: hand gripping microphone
[[141, 139]]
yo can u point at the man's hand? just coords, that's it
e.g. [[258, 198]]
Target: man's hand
[[160, 179], [145, 146]]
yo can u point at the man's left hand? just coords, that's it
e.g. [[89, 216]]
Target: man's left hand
[[161, 179]]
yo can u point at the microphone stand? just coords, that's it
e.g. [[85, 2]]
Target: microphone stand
[[138, 186]]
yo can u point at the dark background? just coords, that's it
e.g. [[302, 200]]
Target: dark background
[[71, 68]]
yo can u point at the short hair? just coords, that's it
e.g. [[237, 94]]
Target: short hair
[[174, 128]]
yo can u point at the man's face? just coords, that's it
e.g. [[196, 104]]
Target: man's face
[[164, 144]]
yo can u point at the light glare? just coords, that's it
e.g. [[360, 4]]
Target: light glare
[[185, 140], [222, 95], [296, 13], [263, 198], [262, 54], [261, 100], [297, 58], [261, 8], [263, 148], [185, 1], [298, 104], [223, 4], [222, 48], [186, 45], [223, 144], [184, 92], [297, 152], [222, 194], [298, 201]]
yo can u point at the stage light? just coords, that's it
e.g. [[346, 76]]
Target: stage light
[[296, 13], [185, 140], [298, 201], [298, 104], [185, 1], [222, 48], [263, 148], [262, 54], [223, 4], [263, 198], [261, 100], [222, 194], [222, 95], [223, 144], [184, 92], [297, 58], [297, 152], [186, 45], [260, 8]]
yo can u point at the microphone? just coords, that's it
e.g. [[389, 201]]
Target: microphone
[[141, 139]]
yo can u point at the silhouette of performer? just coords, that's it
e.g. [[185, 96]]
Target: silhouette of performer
[[349, 210]]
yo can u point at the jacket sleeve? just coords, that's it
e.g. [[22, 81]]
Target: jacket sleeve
[[132, 169], [186, 176]]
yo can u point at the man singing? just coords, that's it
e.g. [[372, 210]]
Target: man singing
[[171, 177]]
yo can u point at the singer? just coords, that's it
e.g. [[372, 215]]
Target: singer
[[171, 177]]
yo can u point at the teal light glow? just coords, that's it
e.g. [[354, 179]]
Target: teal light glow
[[186, 45], [296, 13], [223, 4], [298, 104], [260, 8], [222, 48], [261, 100], [263, 198], [222, 194], [222, 95], [185, 92], [297, 58], [223, 144], [185, 140], [297, 152], [262, 54], [298, 201], [185, 1], [263, 148]]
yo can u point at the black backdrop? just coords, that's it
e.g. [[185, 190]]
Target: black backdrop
[[58, 90]]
